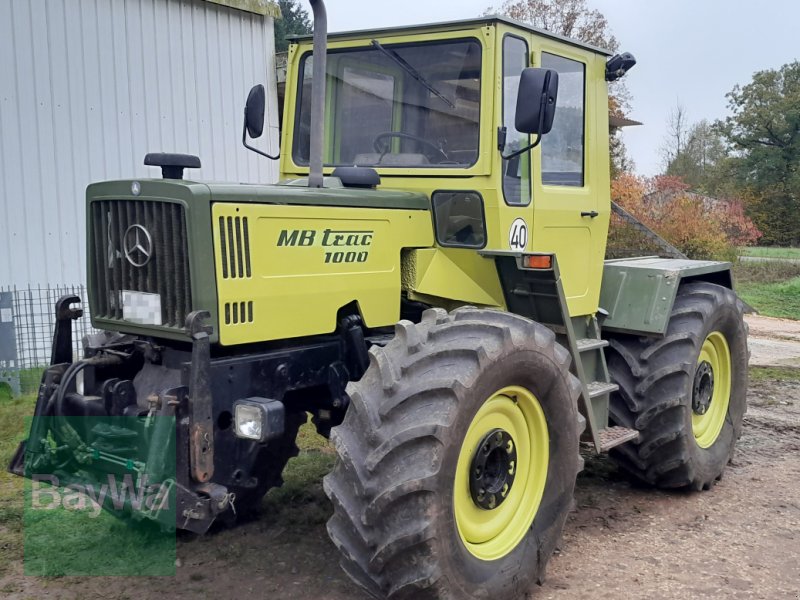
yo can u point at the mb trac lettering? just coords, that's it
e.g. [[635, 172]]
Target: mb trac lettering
[[354, 244]]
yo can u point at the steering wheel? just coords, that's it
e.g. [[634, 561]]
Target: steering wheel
[[437, 155]]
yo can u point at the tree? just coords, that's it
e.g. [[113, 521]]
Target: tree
[[571, 18], [763, 132], [699, 228], [295, 21], [677, 136], [574, 19], [695, 152]]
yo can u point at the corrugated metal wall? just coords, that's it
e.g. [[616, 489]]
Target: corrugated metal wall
[[88, 87]]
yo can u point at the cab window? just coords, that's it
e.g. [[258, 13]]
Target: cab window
[[516, 171], [563, 148], [393, 105]]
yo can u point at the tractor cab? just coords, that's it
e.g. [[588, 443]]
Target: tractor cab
[[452, 110]]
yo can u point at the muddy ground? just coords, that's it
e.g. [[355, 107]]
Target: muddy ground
[[739, 540]]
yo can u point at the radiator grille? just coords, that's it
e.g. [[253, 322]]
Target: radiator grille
[[234, 236], [166, 272]]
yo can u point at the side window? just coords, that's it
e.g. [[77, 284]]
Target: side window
[[516, 172], [563, 147], [459, 219]]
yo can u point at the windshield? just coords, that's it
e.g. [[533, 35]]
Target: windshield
[[406, 105]]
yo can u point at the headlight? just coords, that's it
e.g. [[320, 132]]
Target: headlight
[[259, 419]]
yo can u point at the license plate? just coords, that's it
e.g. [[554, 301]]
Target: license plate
[[141, 307]]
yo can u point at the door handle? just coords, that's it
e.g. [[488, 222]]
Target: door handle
[[590, 213]]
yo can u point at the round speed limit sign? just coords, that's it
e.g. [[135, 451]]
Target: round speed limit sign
[[518, 235]]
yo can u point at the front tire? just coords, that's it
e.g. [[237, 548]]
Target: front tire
[[685, 393], [457, 459]]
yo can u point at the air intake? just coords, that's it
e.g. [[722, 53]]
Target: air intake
[[234, 242], [238, 313]]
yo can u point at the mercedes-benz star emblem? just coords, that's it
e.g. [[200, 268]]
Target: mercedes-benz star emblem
[[138, 245]]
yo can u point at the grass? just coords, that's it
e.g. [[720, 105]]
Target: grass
[[779, 374], [59, 542], [770, 252], [772, 288], [301, 499], [774, 299], [12, 431], [28, 382]]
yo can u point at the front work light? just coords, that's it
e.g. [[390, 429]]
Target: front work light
[[259, 419]]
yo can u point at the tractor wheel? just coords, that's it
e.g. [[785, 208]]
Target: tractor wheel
[[457, 458], [685, 393]]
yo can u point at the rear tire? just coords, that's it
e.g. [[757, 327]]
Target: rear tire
[[679, 447], [399, 491]]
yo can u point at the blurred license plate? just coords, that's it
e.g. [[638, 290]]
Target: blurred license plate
[[141, 307]]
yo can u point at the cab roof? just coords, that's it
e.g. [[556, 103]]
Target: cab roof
[[460, 24]]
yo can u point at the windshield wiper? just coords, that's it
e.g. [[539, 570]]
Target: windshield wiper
[[412, 71]]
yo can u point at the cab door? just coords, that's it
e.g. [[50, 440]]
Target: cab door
[[569, 219]]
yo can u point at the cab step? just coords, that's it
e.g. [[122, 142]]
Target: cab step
[[588, 344], [600, 388], [611, 437]]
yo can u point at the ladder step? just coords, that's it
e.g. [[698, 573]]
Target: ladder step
[[600, 388], [615, 436], [587, 344]]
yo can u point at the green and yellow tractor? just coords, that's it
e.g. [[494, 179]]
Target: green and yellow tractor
[[427, 281]]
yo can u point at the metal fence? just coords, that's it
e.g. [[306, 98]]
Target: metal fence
[[27, 321]]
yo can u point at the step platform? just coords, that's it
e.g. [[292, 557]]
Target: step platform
[[611, 437]]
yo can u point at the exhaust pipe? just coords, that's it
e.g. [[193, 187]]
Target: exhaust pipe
[[315, 177]]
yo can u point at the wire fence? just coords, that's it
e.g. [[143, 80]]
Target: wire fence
[[27, 322]]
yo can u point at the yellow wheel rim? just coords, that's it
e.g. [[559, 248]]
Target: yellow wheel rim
[[710, 404], [490, 534]]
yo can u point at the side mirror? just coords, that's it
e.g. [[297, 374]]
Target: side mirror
[[254, 119], [254, 111], [536, 101]]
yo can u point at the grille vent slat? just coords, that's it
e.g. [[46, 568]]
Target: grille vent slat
[[234, 242], [223, 246], [166, 273], [238, 313]]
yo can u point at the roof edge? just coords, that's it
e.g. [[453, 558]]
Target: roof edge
[[265, 8], [488, 19]]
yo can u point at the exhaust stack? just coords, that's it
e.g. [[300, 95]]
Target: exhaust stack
[[315, 177]]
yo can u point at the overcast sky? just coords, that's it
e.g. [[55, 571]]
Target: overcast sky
[[692, 50]]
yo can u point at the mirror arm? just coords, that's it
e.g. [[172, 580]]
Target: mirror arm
[[256, 150], [523, 150]]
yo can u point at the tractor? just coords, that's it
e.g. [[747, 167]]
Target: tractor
[[427, 283]]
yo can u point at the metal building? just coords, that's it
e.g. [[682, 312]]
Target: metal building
[[88, 87]]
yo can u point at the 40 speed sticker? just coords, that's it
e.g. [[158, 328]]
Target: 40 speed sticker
[[518, 235]]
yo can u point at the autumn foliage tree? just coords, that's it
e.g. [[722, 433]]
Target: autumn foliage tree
[[702, 228], [574, 19], [571, 18]]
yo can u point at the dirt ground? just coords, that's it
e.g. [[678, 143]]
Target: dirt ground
[[739, 540]]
